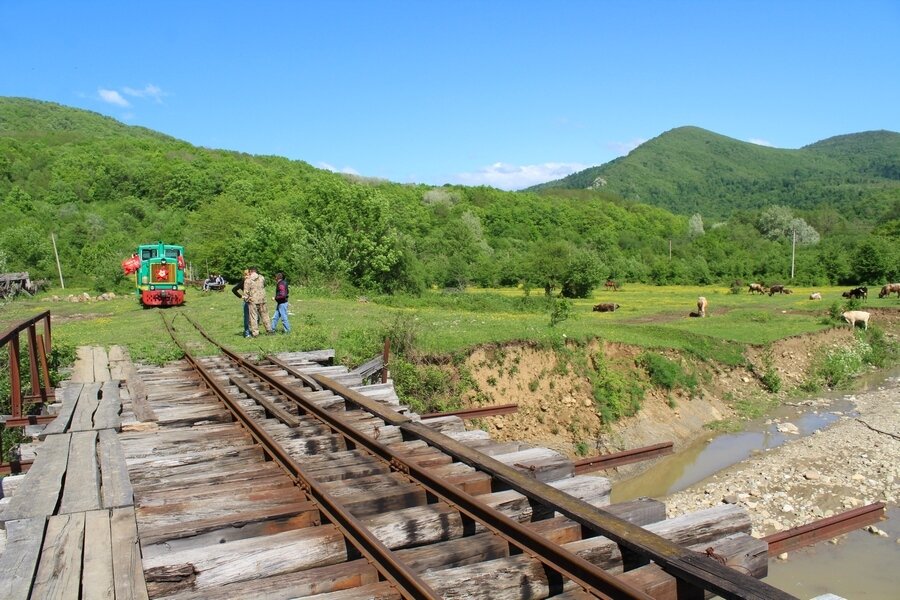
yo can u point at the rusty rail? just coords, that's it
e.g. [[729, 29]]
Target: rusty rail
[[824, 529], [696, 572], [41, 390], [474, 413], [625, 457], [594, 580], [407, 583]]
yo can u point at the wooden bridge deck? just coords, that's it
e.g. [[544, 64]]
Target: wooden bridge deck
[[144, 487]]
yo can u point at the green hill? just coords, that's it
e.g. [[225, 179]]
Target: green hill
[[102, 188], [690, 170]]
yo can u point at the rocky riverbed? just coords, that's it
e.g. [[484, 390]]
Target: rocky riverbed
[[851, 463]]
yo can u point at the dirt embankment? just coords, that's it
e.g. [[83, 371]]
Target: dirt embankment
[[557, 407]]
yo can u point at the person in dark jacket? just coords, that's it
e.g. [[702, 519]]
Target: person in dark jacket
[[281, 303], [238, 290]]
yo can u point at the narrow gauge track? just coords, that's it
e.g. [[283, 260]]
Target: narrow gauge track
[[349, 431]]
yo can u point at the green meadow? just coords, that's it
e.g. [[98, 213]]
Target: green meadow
[[441, 323]]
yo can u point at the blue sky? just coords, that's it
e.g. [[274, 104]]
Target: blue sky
[[501, 93]]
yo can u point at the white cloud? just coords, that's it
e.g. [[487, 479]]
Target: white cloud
[[112, 97], [333, 169], [149, 91], [760, 142], [623, 148], [515, 177]]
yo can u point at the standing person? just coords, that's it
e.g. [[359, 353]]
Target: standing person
[[281, 299], [255, 295], [238, 290]]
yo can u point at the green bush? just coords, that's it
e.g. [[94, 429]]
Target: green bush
[[424, 388], [560, 310], [615, 394], [666, 373]]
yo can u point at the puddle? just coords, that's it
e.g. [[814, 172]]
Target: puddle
[[709, 455], [860, 565]]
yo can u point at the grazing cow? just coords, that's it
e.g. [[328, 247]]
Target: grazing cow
[[889, 289], [605, 307], [611, 285], [701, 306], [815, 296], [778, 289], [757, 287], [858, 293], [856, 316]]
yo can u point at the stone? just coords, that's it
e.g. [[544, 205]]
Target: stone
[[788, 428], [783, 556], [811, 475]]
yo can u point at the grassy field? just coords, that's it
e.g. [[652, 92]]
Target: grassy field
[[445, 323]]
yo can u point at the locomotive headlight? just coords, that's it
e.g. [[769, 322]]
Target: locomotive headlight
[[144, 279], [152, 287]]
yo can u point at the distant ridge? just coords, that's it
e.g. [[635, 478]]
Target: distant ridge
[[691, 170]]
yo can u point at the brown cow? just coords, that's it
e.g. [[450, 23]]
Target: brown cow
[[778, 289], [605, 307], [611, 285], [889, 289], [757, 287]]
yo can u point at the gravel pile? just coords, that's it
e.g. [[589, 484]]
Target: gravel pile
[[853, 462]]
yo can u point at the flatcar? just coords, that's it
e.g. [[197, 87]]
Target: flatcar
[[158, 274]]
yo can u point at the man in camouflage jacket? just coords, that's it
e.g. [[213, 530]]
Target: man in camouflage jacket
[[255, 296]]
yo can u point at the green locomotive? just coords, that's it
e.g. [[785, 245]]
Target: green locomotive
[[158, 274]]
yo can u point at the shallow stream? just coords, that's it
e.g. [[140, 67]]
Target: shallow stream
[[860, 565]]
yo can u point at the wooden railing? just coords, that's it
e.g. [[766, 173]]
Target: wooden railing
[[39, 345]]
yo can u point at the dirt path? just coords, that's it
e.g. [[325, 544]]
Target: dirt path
[[854, 462]]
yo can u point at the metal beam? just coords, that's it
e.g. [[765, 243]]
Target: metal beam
[[617, 459], [824, 529]]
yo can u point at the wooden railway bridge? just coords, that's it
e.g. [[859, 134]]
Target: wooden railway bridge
[[288, 477]]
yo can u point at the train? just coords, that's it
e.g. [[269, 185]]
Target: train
[[158, 274]]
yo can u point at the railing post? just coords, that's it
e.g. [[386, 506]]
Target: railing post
[[37, 390], [15, 382], [45, 369], [384, 361], [47, 345]]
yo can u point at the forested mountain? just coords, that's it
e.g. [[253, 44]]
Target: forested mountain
[[103, 187], [690, 170]]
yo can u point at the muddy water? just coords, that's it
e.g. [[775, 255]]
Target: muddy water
[[710, 455], [860, 565], [715, 452]]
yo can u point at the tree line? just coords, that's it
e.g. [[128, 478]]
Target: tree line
[[102, 188]]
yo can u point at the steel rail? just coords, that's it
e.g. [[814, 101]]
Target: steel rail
[[583, 573], [692, 568], [617, 459], [475, 413], [407, 583], [824, 529]]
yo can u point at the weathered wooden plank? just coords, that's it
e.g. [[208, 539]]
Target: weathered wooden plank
[[88, 400], [373, 591], [69, 396], [301, 584], [101, 364], [97, 578], [117, 490], [257, 557], [739, 551], [126, 551], [83, 370], [82, 489], [39, 492], [238, 525], [59, 570], [18, 562], [109, 407]]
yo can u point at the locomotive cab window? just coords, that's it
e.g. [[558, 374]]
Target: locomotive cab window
[[148, 253], [172, 253]]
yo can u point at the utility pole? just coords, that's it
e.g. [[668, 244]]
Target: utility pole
[[58, 268], [793, 249]]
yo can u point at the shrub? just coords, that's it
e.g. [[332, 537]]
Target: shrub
[[666, 373], [582, 448], [560, 310], [615, 395]]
